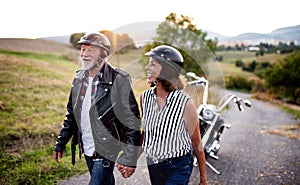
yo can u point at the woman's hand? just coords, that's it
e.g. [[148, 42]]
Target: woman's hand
[[126, 171], [203, 182]]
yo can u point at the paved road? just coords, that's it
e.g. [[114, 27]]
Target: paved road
[[249, 154]]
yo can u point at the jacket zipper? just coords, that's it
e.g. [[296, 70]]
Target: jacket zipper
[[107, 111], [117, 131], [99, 97]]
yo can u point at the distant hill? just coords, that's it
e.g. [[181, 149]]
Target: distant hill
[[62, 39], [286, 34], [213, 35], [36, 45], [291, 33], [39, 46]]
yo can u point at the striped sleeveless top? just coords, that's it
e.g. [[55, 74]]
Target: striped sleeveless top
[[165, 134]]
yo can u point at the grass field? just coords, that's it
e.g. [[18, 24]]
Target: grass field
[[232, 56], [34, 89], [228, 67]]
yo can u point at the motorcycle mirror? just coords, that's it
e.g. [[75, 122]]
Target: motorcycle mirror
[[247, 103], [191, 74]]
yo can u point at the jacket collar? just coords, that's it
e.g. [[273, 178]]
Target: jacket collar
[[107, 73]]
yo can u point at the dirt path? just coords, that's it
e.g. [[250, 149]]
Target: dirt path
[[250, 151]]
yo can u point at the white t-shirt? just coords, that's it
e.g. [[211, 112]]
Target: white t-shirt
[[87, 137]]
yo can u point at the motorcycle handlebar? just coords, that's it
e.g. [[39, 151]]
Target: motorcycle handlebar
[[204, 82], [235, 99], [247, 103], [240, 106], [196, 82]]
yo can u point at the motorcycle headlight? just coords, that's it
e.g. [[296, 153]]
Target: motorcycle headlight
[[207, 114]]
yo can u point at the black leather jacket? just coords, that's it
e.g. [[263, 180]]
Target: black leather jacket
[[114, 117]]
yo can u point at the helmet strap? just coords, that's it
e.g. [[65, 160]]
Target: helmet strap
[[103, 54], [99, 62]]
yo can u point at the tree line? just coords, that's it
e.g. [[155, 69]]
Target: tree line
[[262, 48]]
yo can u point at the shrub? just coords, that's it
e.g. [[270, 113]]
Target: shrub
[[237, 82], [239, 63], [283, 79]]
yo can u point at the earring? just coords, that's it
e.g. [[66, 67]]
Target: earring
[[154, 83]]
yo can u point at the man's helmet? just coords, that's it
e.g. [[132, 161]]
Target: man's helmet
[[167, 55], [96, 39]]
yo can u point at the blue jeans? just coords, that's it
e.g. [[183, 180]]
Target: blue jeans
[[101, 171], [171, 171]]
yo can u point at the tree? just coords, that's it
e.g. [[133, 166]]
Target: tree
[[182, 34], [119, 43], [75, 37], [283, 78]]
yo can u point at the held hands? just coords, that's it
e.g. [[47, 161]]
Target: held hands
[[126, 171]]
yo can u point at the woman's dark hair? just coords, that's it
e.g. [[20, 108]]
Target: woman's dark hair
[[170, 79]]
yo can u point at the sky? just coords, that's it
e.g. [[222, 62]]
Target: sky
[[46, 18]]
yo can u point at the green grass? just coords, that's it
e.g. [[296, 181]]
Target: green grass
[[37, 167], [232, 56], [33, 93], [228, 67], [34, 90], [247, 57], [292, 111], [38, 56]]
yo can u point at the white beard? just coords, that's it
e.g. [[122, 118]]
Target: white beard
[[88, 66]]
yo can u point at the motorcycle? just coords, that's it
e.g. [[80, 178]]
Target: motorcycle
[[212, 123]]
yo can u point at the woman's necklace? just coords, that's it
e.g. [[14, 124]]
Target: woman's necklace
[[161, 102], [161, 98]]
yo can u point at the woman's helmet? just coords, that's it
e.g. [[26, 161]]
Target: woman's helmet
[[167, 56], [96, 39]]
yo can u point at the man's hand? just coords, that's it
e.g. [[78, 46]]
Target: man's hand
[[57, 155], [126, 171]]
